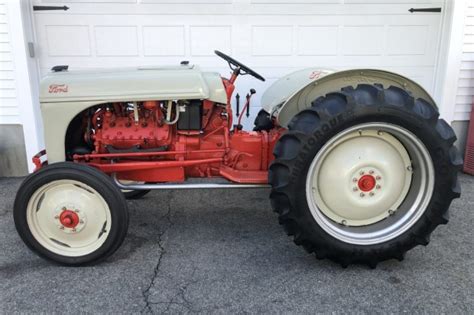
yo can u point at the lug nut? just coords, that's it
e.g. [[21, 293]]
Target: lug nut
[[355, 189], [355, 180], [74, 230], [362, 195], [371, 194], [371, 172], [64, 208], [81, 221], [362, 173], [56, 216], [378, 178], [77, 210], [378, 186], [61, 227]]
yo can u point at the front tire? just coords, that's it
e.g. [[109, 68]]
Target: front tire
[[71, 214], [365, 174]]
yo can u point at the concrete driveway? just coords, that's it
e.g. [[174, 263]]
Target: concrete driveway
[[222, 251]]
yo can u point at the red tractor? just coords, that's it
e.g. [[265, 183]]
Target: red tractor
[[360, 166]]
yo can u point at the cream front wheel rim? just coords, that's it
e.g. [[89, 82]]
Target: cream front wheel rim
[[370, 183], [69, 218]]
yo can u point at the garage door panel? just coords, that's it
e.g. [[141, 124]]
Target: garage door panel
[[116, 40], [272, 40], [205, 39], [317, 40], [163, 40], [67, 40], [362, 40], [407, 39]]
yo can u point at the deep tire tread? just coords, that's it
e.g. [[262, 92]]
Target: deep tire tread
[[366, 101]]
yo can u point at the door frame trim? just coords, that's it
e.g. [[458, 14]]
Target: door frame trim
[[21, 27], [449, 58]]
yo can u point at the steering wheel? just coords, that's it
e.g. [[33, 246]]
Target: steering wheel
[[239, 67]]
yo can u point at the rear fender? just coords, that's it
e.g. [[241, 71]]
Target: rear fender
[[333, 82]]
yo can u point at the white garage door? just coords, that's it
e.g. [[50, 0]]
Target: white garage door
[[272, 36]]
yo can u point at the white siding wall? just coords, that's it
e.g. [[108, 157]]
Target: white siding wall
[[465, 92], [9, 113]]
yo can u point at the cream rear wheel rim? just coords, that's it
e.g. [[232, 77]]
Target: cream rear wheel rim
[[400, 176], [359, 155], [46, 210]]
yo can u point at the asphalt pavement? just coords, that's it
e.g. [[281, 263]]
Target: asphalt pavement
[[223, 251]]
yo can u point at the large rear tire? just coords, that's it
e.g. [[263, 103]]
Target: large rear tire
[[71, 214], [365, 174]]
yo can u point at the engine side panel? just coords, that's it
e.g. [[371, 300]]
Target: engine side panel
[[56, 120]]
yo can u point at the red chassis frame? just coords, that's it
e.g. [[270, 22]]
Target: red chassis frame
[[216, 151]]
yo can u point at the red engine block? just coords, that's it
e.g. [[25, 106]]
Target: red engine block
[[119, 129]]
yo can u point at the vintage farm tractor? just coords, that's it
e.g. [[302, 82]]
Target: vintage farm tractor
[[360, 166]]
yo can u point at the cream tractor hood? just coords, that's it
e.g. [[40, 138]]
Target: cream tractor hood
[[133, 84]]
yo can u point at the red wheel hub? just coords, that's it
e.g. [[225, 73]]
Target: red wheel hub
[[366, 183], [69, 219]]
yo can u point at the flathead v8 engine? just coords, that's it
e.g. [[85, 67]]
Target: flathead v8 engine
[[175, 130], [129, 127]]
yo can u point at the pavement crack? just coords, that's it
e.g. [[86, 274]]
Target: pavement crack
[[182, 293], [178, 299], [156, 270]]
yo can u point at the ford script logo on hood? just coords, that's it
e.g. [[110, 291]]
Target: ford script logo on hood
[[315, 75], [58, 88]]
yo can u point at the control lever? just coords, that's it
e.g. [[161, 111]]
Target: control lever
[[246, 108], [252, 92], [237, 103]]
